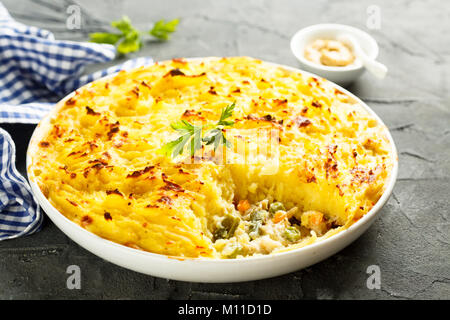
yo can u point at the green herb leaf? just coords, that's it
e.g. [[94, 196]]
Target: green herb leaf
[[104, 37], [226, 113], [162, 29], [182, 125], [196, 141], [216, 137], [192, 133], [124, 25], [175, 147], [210, 136], [189, 133], [130, 39], [131, 43]]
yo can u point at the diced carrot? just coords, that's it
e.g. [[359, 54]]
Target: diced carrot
[[279, 216], [316, 218], [243, 205]]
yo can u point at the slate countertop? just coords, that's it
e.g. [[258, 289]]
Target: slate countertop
[[409, 242]]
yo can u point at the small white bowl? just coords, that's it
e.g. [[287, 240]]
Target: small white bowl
[[340, 75]]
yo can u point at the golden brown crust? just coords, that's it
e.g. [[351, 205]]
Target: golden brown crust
[[98, 152]]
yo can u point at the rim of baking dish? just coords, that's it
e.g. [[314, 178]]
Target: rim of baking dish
[[56, 214]]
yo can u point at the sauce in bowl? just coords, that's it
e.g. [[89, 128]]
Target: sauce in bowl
[[331, 53]]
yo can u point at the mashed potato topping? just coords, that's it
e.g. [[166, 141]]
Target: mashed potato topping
[[99, 162]]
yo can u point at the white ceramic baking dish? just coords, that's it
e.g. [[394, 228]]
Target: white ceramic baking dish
[[209, 270]]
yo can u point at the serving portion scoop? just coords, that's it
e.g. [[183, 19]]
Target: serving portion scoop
[[376, 68]]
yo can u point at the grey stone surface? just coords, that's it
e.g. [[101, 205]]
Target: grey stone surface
[[410, 241]]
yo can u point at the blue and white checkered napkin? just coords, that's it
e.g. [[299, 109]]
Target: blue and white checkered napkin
[[35, 72]]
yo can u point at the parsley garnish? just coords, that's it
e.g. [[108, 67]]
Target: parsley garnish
[[192, 135], [129, 39], [162, 29]]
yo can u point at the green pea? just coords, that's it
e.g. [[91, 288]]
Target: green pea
[[227, 228], [236, 251], [276, 206], [254, 230], [259, 215], [292, 234]]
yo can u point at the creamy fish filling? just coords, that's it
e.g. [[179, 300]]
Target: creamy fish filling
[[266, 226]]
